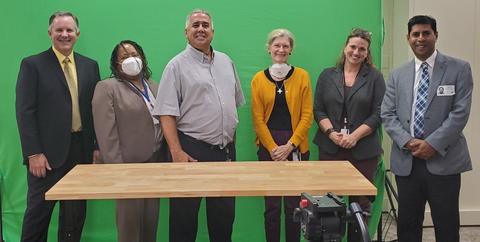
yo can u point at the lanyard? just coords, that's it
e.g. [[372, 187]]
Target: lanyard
[[345, 98], [145, 91], [345, 111]]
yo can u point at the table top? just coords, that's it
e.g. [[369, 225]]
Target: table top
[[210, 179]]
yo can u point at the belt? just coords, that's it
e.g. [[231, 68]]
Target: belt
[[203, 143]]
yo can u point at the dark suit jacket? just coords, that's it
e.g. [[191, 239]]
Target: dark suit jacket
[[44, 108], [363, 107]]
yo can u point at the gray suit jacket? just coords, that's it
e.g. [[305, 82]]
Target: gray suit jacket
[[445, 117], [123, 124]]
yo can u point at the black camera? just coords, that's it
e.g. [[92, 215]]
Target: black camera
[[324, 218]]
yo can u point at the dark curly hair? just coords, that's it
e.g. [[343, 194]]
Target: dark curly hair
[[114, 66]]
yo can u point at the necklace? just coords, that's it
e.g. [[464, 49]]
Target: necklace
[[279, 88]]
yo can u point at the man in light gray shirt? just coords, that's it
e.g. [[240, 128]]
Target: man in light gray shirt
[[197, 104]]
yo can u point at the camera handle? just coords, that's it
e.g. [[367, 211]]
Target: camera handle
[[356, 212]]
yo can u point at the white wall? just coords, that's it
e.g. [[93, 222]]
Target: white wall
[[458, 25]]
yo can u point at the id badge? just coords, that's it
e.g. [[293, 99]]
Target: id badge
[[227, 154], [296, 156], [446, 90], [345, 131]]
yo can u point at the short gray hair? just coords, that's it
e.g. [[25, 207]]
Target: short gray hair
[[195, 11], [276, 33], [62, 14]]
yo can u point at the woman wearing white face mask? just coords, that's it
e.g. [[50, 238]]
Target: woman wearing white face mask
[[282, 115], [127, 133]]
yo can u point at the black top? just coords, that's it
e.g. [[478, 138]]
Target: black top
[[346, 93], [280, 118]]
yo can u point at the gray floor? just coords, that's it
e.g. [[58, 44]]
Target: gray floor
[[467, 234]]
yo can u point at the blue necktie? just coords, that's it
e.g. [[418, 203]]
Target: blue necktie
[[420, 105]]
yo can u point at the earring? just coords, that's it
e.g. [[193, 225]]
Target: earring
[[290, 53]]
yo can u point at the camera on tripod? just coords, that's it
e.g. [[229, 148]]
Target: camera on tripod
[[325, 218]]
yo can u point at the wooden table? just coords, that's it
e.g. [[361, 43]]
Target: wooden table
[[210, 179]]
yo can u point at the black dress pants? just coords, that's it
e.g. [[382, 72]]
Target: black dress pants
[[220, 210], [273, 204], [39, 211], [273, 211], [440, 191]]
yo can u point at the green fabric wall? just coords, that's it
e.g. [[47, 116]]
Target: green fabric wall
[[241, 28]]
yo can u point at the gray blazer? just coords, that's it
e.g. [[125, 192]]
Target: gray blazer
[[445, 117], [123, 124], [363, 107]]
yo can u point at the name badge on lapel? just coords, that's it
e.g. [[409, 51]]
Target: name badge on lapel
[[446, 90]]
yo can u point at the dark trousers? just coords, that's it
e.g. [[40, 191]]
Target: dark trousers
[[39, 211], [220, 210], [273, 210], [441, 193], [273, 205], [368, 168]]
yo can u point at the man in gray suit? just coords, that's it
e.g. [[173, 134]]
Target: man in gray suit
[[429, 150]]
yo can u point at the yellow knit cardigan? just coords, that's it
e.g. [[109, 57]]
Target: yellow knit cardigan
[[298, 93]]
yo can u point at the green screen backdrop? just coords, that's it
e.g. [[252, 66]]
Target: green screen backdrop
[[241, 28]]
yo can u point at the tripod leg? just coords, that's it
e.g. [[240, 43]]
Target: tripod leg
[[390, 191], [389, 184], [1, 220], [379, 229]]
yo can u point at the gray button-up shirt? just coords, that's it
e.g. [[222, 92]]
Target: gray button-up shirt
[[203, 95]]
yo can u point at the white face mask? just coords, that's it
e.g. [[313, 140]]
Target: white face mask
[[279, 71], [132, 66]]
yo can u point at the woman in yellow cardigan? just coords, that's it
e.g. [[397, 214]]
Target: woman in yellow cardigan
[[282, 113]]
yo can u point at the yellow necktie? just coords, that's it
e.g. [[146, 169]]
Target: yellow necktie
[[72, 86]]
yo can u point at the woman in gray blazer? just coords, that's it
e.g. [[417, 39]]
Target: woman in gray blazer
[[127, 133], [347, 110]]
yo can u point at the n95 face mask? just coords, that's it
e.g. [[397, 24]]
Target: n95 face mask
[[132, 66], [279, 71]]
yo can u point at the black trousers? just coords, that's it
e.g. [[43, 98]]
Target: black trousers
[[273, 204], [220, 210], [39, 211], [273, 210], [441, 192]]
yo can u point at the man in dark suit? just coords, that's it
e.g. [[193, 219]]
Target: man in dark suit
[[425, 109], [53, 106]]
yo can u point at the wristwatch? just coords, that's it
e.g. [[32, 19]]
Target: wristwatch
[[329, 131]]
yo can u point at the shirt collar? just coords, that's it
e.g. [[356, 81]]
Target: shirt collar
[[430, 61], [198, 55], [61, 57]]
